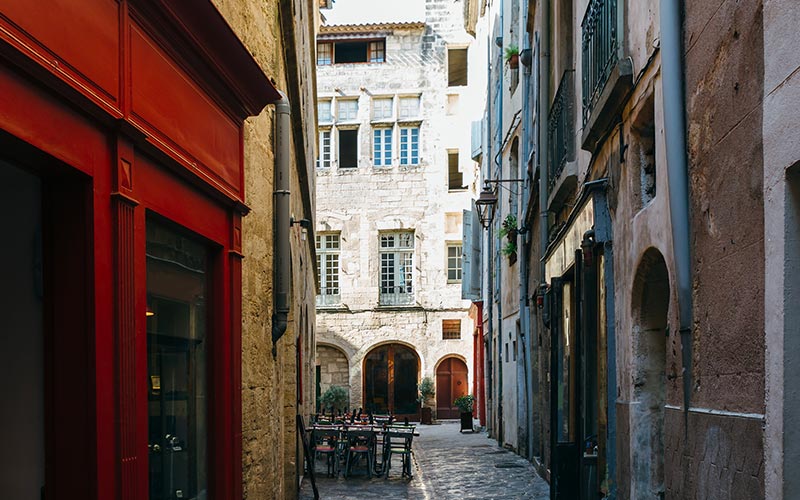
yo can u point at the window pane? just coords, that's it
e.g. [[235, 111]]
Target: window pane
[[177, 285], [348, 110], [324, 111], [324, 53], [457, 67], [348, 148], [376, 51], [409, 107]]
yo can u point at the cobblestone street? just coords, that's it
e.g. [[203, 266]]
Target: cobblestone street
[[447, 465]]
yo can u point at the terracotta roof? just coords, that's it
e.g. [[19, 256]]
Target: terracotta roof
[[362, 28]]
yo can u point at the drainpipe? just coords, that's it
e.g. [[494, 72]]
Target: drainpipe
[[525, 329], [677, 170], [489, 262], [282, 257], [544, 147], [498, 159]]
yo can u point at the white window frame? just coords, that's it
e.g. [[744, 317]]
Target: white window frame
[[325, 158], [377, 104], [351, 115], [322, 60], [328, 267], [382, 138], [407, 141], [454, 262], [396, 280], [323, 104], [408, 107]]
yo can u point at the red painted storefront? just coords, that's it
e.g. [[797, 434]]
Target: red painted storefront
[[130, 115]]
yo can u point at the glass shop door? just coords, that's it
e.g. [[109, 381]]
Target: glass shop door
[[177, 361]]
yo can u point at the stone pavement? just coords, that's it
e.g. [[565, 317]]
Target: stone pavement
[[448, 465]]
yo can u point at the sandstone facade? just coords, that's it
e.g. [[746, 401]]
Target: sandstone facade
[[361, 204]]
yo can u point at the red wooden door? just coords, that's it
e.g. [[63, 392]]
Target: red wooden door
[[451, 383]]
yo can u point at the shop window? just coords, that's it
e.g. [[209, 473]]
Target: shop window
[[455, 179], [451, 329], [348, 148], [177, 362], [456, 67]]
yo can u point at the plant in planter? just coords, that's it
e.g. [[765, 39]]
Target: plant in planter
[[426, 392], [512, 56], [509, 230], [335, 398], [465, 404]]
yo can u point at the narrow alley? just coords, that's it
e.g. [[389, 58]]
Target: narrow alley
[[447, 465]]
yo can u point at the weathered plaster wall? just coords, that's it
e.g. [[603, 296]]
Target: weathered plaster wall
[[724, 81], [362, 202], [782, 247], [270, 394]]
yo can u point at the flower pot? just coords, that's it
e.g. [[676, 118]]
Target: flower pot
[[426, 416], [466, 421], [513, 61]]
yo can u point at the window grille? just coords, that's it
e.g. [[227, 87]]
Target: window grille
[[451, 329]]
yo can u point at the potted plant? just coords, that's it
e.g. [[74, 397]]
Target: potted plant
[[426, 392], [509, 230], [335, 399], [512, 56], [465, 404]]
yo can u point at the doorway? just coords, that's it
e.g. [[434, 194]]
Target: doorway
[[451, 384], [391, 373], [22, 371]]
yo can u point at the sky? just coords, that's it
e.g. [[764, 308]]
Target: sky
[[374, 11]]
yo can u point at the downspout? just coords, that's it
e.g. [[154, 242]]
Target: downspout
[[677, 171], [282, 265], [525, 330], [544, 147], [489, 262], [498, 261]]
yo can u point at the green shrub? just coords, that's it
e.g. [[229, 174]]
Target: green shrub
[[465, 403], [335, 397], [425, 390]]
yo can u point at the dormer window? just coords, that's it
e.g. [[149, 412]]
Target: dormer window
[[351, 51]]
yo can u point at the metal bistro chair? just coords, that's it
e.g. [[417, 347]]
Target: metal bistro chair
[[360, 442], [326, 442], [398, 442]]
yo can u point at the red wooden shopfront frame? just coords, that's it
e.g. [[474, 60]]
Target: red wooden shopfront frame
[[126, 108]]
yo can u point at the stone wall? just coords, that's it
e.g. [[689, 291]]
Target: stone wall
[[270, 394], [334, 368], [362, 202]]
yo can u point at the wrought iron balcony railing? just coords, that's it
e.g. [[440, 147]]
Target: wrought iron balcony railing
[[560, 127], [600, 44]]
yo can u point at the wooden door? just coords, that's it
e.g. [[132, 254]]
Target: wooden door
[[451, 383]]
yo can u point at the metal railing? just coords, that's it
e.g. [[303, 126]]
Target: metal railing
[[600, 43], [560, 127]]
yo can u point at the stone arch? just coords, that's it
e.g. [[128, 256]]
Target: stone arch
[[650, 312], [333, 369], [390, 375]]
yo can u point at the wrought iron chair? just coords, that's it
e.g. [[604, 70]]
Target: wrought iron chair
[[398, 442], [325, 441], [360, 442]]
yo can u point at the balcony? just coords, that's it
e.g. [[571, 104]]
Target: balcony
[[561, 129], [396, 296], [607, 77]]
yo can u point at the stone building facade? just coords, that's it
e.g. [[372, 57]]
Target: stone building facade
[[393, 177], [277, 381], [651, 150]]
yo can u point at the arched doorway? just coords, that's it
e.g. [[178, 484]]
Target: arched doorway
[[451, 383], [650, 308], [390, 380]]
